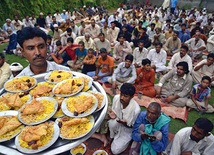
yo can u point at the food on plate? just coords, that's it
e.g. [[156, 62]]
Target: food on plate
[[80, 104], [101, 153], [33, 137], [86, 83], [100, 98], [22, 83], [59, 75], [36, 110], [74, 127], [13, 101], [70, 86], [78, 149], [42, 89], [9, 126], [59, 112]]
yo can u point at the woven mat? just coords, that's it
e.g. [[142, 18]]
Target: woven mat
[[174, 112]]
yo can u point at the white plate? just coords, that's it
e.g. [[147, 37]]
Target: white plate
[[48, 74], [83, 145], [71, 114], [10, 113], [67, 95], [31, 151], [99, 151], [89, 83], [91, 119], [16, 91], [103, 101], [45, 119]]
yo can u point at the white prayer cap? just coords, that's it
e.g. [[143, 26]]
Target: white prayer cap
[[8, 20], [84, 6], [16, 67], [41, 14], [64, 10], [55, 25]]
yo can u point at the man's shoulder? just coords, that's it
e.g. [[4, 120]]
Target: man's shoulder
[[184, 131], [55, 66]]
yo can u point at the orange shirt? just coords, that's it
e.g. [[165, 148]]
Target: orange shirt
[[106, 64], [148, 78], [89, 61]]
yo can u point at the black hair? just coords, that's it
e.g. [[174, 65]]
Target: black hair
[[49, 37], [129, 57], [183, 24], [140, 41], [158, 43], [58, 43], [184, 65], [185, 47], [127, 89], [156, 106], [153, 24], [81, 42], [206, 78], [2, 55], [204, 124], [91, 49], [69, 29], [29, 33], [103, 50], [121, 35], [168, 20], [211, 55], [70, 39], [146, 61], [144, 28], [176, 32], [102, 34]]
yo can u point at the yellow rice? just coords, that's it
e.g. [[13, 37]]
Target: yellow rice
[[48, 109], [44, 139], [64, 75], [76, 130], [86, 83], [99, 97], [78, 149]]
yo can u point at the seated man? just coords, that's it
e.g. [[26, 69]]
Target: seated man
[[101, 42], [12, 41], [139, 54], [150, 131], [145, 79], [80, 54], [157, 56], [112, 33], [88, 41], [197, 140], [93, 29], [55, 56], [200, 96], [196, 46], [104, 67], [180, 56], [178, 86], [123, 115], [34, 49], [67, 34], [124, 73], [173, 44], [210, 44], [5, 71], [89, 62], [204, 68], [121, 49]]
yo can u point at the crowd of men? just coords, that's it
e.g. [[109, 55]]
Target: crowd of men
[[141, 40]]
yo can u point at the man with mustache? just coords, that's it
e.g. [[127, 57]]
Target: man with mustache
[[123, 115], [196, 140], [34, 49]]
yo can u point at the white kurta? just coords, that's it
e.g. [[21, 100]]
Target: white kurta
[[120, 133]]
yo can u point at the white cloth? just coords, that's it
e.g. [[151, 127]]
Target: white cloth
[[193, 46], [176, 58], [210, 44], [120, 133], [183, 143], [64, 36], [158, 59], [139, 55], [50, 66], [5, 73]]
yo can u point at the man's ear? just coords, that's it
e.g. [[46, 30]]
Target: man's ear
[[208, 134], [22, 51]]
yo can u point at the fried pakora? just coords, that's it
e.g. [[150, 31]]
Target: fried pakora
[[34, 107]]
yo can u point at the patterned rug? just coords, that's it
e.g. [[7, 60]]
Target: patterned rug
[[174, 112]]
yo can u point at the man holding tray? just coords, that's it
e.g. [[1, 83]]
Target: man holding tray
[[34, 49]]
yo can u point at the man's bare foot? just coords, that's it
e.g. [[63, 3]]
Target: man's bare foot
[[104, 140]]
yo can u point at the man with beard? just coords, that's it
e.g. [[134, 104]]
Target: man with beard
[[34, 49], [57, 32], [124, 73], [196, 140], [180, 56], [67, 34], [179, 84], [123, 115], [150, 131]]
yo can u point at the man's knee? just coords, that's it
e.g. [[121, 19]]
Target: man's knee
[[116, 148]]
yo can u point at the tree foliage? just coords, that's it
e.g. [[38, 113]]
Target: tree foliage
[[9, 8]]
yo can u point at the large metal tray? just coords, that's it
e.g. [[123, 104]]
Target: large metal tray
[[61, 145]]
